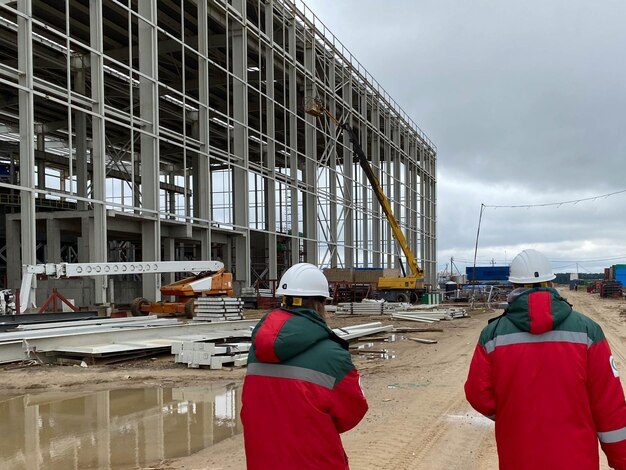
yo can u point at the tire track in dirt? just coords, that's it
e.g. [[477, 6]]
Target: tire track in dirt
[[607, 312], [429, 427]]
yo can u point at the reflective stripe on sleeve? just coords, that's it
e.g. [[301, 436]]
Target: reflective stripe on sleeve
[[548, 337], [291, 372], [610, 437]]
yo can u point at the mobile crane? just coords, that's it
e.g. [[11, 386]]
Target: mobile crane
[[408, 288]]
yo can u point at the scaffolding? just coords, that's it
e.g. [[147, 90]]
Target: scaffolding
[[175, 130]]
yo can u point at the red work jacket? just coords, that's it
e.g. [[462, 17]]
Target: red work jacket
[[546, 375], [300, 392]]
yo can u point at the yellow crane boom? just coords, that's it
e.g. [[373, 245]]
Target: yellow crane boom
[[413, 282]]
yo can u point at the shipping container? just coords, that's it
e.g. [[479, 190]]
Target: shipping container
[[487, 273]]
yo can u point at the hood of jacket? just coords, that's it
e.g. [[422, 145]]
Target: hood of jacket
[[537, 310], [283, 334]]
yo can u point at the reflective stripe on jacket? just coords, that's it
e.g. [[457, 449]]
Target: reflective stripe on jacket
[[545, 374]]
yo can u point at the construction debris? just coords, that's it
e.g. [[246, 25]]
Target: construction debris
[[425, 341], [196, 354], [356, 331], [417, 330]]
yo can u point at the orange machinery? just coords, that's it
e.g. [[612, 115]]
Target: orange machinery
[[217, 282]]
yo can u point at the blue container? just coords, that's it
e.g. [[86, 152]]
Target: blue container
[[487, 273], [619, 273]]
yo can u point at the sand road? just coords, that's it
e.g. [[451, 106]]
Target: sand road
[[418, 416]]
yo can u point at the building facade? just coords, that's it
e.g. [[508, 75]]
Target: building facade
[[135, 130]]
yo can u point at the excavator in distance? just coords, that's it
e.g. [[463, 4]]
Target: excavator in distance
[[407, 288], [213, 283]]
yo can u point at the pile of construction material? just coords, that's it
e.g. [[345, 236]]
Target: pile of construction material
[[218, 309], [359, 275], [110, 340], [611, 289], [401, 310], [259, 297], [430, 315], [235, 354], [357, 331]]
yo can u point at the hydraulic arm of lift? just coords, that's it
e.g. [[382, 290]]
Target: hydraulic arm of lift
[[29, 271], [316, 108]]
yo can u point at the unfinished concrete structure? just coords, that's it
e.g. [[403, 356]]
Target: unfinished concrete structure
[[175, 129]]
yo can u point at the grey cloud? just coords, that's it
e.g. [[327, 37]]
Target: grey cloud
[[526, 103]]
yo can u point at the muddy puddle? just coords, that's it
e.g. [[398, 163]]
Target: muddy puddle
[[114, 429]]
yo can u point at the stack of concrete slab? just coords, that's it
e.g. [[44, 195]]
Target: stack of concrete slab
[[218, 309]]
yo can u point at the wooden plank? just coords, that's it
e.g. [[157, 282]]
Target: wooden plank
[[417, 330]]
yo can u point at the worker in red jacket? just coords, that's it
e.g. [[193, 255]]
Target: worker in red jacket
[[301, 389], [545, 374]]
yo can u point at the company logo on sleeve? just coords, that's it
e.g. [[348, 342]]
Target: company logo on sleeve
[[613, 366]]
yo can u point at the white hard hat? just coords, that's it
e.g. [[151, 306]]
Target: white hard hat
[[303, 280], [530, 267]]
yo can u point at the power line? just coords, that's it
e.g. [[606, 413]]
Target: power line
[[589, 260], [573, 201], [517, 206]]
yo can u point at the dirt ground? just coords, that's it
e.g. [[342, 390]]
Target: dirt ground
[[418, 417]]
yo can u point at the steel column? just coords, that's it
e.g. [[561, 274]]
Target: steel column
[[27, 133], [149, 112], [202, 183], [377, 245], [99, 243], [270, 123], [348, 180], [311, 167], [240, 187]]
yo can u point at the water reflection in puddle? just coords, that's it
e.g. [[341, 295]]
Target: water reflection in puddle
[[114, 429]]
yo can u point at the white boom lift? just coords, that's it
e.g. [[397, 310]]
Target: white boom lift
[[63, 270]]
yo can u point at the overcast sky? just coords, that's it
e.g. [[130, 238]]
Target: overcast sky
[[526, 103]]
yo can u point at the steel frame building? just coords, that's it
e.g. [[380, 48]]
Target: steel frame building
[[142, 130]]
